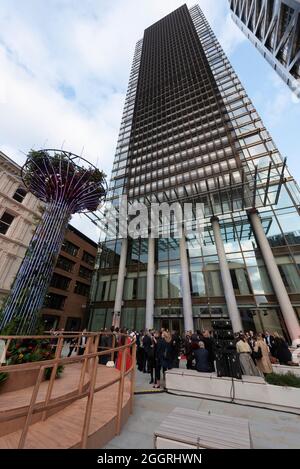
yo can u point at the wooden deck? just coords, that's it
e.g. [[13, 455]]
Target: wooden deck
[[63, 429], [66, 385]]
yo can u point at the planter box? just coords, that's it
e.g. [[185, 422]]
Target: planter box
[[250, 390], [284, 370], [18, 380]]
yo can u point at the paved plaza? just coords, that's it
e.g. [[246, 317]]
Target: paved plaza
[[269, 429]]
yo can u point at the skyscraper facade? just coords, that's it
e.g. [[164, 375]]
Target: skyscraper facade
[[190, 134], [274, 28]]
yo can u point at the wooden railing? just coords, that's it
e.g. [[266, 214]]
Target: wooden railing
[[89, 366]]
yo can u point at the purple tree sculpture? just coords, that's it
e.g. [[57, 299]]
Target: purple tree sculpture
[[67, 184]]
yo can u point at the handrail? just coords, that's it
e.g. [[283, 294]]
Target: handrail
[[69, 335], [62, 360], [89, 365]]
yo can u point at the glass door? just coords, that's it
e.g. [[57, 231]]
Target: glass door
[[173, 324]]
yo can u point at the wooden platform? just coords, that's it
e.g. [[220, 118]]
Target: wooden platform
[[185, 428], [63, 429], [63, 386]]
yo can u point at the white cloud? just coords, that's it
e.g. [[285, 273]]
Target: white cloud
[[283, 100], [48, 48], [230, 35]]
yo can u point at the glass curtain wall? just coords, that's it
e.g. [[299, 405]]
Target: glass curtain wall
[[190, 133]]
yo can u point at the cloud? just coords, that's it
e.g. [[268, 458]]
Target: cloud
[[64, 68], [282, 101], [230, 35]]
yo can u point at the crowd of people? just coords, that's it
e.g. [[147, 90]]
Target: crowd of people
[[257, 352], [161, 350]]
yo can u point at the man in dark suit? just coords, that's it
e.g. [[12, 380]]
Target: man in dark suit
[[201, 357], [176, 341], [147, 344], [210, 347], [269, 339]]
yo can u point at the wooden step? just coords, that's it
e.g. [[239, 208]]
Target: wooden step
[[14, 404], [63, 430]]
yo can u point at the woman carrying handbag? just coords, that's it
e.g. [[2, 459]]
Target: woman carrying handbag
[[261, 354]]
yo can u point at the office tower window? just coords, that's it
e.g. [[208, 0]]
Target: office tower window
[[138, 252], [135, 286], [189, 133], [274, 29]]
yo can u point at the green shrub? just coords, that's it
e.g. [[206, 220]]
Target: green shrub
[[289, 379], [3, 377], [48, 372], [29, 350], [32, 350], [12, 327]]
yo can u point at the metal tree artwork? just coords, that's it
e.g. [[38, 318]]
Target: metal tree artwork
[[67, 184]]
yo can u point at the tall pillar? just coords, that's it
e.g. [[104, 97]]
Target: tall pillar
[[150, 284], [120, 283], [284, 301], [186, 287], [226, 278]]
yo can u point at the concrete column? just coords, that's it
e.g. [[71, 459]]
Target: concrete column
[[226, 278], [284, 301], [150, 284], [120, 283], [186, 287]]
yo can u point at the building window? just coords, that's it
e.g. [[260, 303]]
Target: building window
[[54, 301], [5, 222], [70, 248], [130, 288], [103, 290], [82, 289], [128, 318], [85, 273], [290, 277], [234, 282], [98, 321], [65, 264], [73, 324], [20, 194], [50, 321], [59, 281], [198, 284], [88, 258]]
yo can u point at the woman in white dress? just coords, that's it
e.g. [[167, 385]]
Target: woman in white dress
[[247, 364]]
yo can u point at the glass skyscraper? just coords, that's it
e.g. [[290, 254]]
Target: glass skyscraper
[[273, 26], [190, 133]]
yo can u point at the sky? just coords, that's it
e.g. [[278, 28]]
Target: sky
[[64, 69]]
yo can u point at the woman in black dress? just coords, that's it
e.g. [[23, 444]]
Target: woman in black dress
[[281, 350], [163, 356]]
